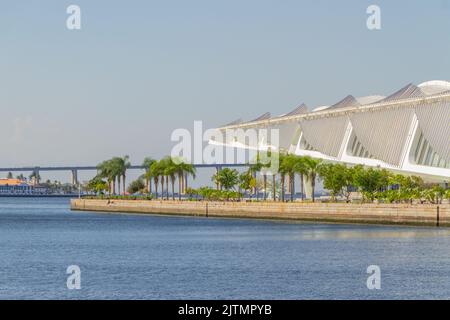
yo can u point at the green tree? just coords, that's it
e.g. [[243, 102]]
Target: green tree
[[269, 164], [183, 170], [247, 181], [227, 178], [170, 171], [312, 167], [155, 172], [108, 170], [337, 178], [205, 192], [370, 181], [253, 170], [135, 186], [9, 176], [97, 185], [409, 188], [283, 170], [120, 166], [162, 178], [190, 192], [434, 194], [147, 175], [301, 169], [290, 164], [447, 195]]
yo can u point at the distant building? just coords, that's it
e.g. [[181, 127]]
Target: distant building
[[19, 187], [15, 186]]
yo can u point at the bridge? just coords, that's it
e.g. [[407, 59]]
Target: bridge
[[74, 169]]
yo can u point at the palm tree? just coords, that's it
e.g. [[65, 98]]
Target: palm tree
[[166, 174], [170, 171], [162, 167], [188, 170], [283, 169], [116, 169], [274, 172], [36, 177], [265, 162], [274, 186], [182, 169], [265, 185], [253, 170], [301, 169], [155, 171], [104, 171], [227, 178], [313, 166], [288, 166], [124, 165], [147, 164], [167, 170], [119, 167]]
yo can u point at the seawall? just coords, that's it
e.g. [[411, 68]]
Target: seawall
[[402, 214]]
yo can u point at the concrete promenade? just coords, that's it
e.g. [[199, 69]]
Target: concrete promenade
[[400, 214]]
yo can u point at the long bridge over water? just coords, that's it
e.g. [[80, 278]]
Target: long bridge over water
[[74, 169]]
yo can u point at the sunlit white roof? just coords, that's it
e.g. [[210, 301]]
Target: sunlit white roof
[[369, 99], [407, 92], [410, 91], [434, 87], [301, 109], [321, 108], [348, 101]]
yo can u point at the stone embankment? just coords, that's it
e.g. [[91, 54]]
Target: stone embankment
[[402, 214]]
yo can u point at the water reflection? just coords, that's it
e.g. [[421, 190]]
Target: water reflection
[[372, 234]]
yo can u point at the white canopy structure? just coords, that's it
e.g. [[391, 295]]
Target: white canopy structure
[[407, 131]]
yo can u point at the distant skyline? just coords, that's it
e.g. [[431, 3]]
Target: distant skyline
[[137, 70]]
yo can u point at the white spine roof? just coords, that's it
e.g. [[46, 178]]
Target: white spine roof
[[383, 132], [301, 109], [348, 101], [434, 121], [386, 130], [434, 87], [409, 91], [325, 134]]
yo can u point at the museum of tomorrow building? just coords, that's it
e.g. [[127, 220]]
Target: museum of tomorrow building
[[407, 132]]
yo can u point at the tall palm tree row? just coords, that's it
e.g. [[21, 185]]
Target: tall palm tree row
[[165, 172], [147, 163], [289, 166], [312, 168], [114, 170]]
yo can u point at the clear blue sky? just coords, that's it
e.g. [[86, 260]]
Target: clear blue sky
[[139, 69]]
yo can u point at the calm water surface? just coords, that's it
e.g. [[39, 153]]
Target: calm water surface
[[156, 257]]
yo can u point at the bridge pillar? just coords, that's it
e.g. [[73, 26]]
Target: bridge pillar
[[36, 176], [74, 177]]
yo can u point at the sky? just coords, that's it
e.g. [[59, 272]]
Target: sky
[[137, 70]]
